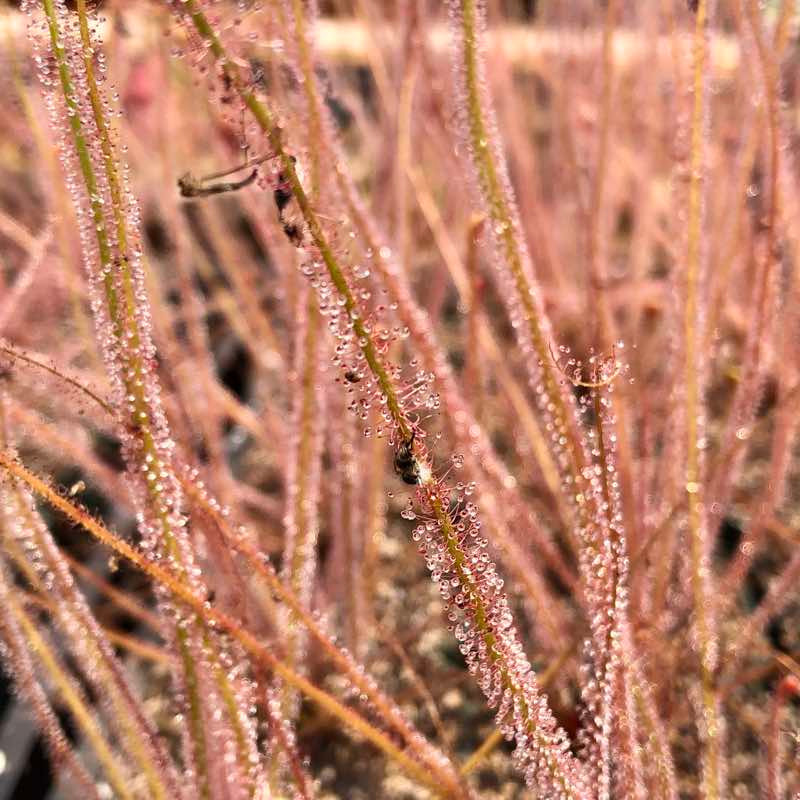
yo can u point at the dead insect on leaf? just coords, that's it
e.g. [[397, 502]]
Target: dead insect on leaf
[[405, 463], [194, 187]]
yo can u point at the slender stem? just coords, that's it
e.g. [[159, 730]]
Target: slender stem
[[496, 736], [268, 123], [503, 221], [710, 732], [315, 135], [71, 698], [19, 355], [481, 617], [390, 714]]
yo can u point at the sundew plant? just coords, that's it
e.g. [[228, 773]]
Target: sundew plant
[[401, 400]]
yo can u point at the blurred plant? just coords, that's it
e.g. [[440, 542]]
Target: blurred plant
[[634, 495]]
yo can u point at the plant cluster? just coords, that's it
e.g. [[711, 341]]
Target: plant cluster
[[383, 387]]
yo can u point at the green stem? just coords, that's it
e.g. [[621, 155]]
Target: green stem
[[129, 345], [268, 123], [481, 619]]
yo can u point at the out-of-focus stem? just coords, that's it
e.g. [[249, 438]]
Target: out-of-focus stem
[[297, 576], [302, 491], [309, 84], [788, 687], [652, 727], [134, 646], [343, 661], [598, 302], [373, 461], [709, 724], [12, 352], [71, 698], [473, 375]]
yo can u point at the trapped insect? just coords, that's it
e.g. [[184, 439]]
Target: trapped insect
[[193, 187], [292, 223], [405, 464], [291, 220]]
